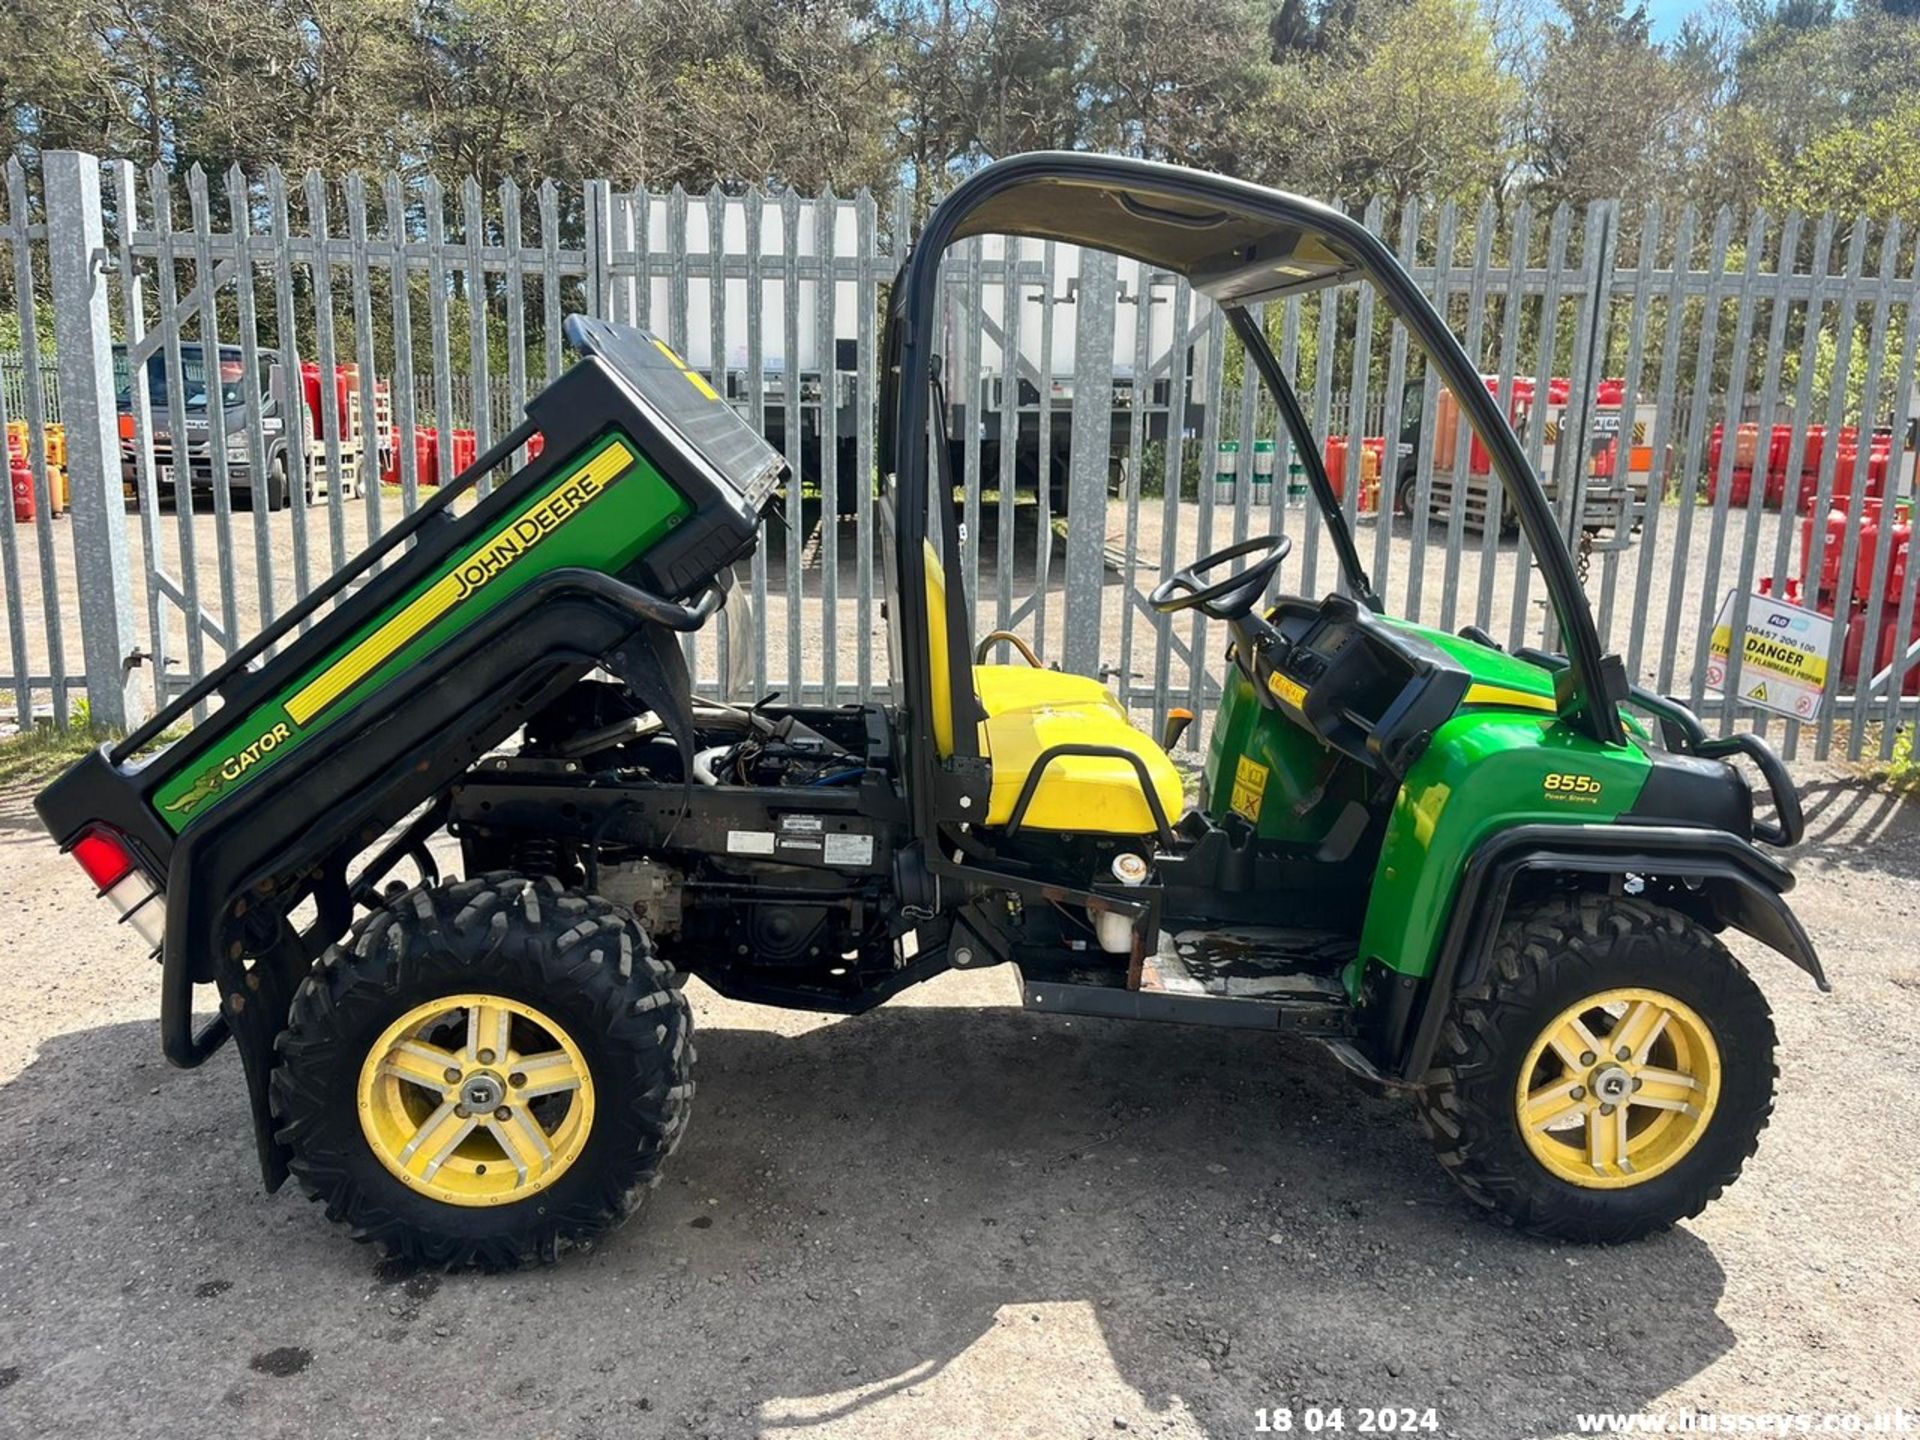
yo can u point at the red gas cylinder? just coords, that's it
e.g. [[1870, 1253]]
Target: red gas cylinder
[[1890, 645], [1778, 447], [426, 456], [1810, 462], [1814, 449], [1900, 543], [1742, 487], [1746, 446], [1864, 551], [1811, 452], [22, 475], [466, 450], [1855, 646], [1879, 460], [1836, 537], [1335, 454], [1843, 462], [342, 388]]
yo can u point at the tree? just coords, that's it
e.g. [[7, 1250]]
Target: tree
[[1871, 169], [1612, 113], [1412, 102], [1460, 99], [301, 83], [99, 75]]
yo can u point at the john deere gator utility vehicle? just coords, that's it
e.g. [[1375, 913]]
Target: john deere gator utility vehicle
[[1483, 879]]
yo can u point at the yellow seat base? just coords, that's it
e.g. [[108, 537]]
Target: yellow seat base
[[1090, 794], [1002, 688], [1031, 711]]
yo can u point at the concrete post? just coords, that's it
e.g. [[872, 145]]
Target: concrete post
[[77, 261]]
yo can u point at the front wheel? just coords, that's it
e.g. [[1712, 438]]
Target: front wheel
[[485, 1073], [1609, 1074], [279, 494]]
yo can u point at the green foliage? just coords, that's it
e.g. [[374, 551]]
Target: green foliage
[[1153, 469], [1854, 169], [44, 750], [1777, 102], [1412, 103], [1901, 773]]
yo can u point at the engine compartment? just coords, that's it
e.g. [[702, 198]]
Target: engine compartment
[[778, 882]]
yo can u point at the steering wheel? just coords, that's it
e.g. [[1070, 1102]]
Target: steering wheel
[[1228, 598]]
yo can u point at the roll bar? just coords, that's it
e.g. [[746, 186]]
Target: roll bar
[[1237, 244]]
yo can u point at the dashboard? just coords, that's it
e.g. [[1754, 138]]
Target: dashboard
[[1370, 691]]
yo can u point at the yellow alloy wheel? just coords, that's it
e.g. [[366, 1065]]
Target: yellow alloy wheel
[[1618, 1088], [476, 1100]]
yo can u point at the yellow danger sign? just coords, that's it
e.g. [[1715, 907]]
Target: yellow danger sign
[[1784, 652]]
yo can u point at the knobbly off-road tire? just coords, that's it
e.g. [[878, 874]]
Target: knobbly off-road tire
[[577, 959], [1545, 960]]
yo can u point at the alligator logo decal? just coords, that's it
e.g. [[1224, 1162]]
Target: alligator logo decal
[[231, 768], [204, 789]]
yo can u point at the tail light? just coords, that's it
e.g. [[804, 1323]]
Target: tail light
[[104, 855]]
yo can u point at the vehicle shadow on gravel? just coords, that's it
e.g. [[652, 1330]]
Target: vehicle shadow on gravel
[[1858, 822], [928, 1220]]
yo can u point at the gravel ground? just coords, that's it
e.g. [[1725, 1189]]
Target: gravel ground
[[954, 1218]]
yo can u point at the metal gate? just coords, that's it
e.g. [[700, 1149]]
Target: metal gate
[[1102, 430]]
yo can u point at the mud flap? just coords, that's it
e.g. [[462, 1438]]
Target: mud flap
[[255, 1000], [649, 662]]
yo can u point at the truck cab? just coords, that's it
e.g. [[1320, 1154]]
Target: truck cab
[[259, 448]]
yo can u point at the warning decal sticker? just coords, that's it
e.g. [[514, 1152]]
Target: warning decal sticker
[[1784, 651]]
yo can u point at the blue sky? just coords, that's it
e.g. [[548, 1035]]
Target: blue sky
[[1667, 15]]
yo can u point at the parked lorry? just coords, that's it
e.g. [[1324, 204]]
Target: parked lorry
[[1616, 492], [818, 365], [276, 444]]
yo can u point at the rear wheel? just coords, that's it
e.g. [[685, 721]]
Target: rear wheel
[[1609, 1075], [485, 1072]]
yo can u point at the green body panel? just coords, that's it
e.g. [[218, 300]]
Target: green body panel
[[1294, 762], [586, 518], [1487, 770], [1491, 767], [1487, 666]]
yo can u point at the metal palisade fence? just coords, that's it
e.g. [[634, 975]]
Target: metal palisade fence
[[222, 388]]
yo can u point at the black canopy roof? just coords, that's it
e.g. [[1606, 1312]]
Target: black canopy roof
[[1232, 252]]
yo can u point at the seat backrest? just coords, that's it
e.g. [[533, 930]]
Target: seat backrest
[[934, 579], [939, 674]]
